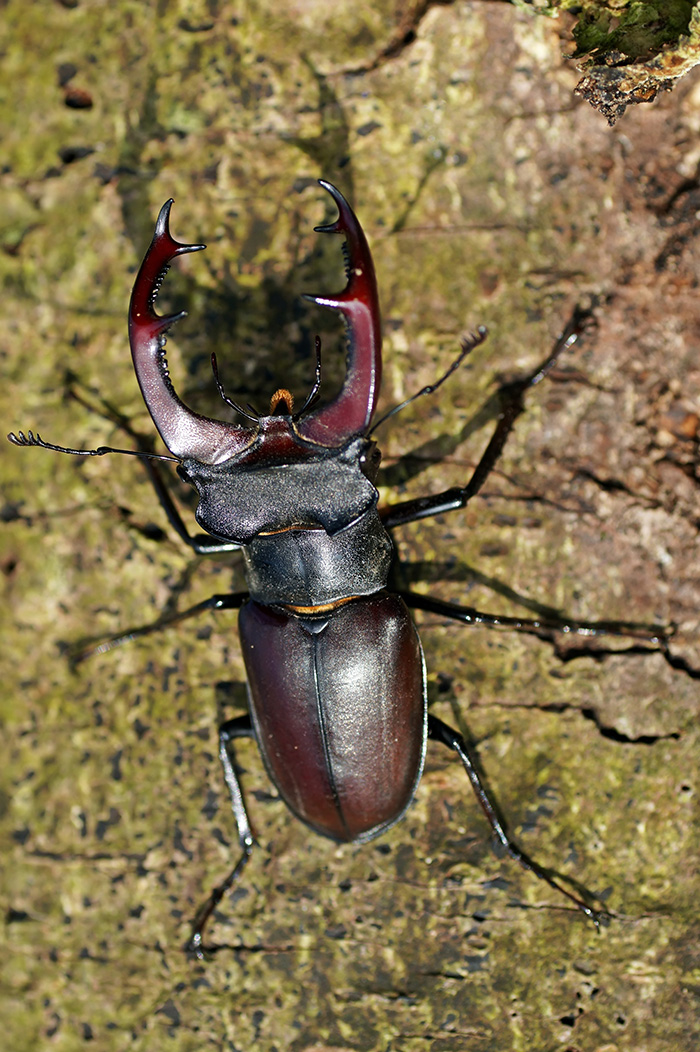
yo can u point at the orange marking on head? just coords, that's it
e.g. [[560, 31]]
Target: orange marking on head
[[282, 395]]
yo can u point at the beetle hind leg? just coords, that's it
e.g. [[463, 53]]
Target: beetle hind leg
[[439, 731], [240, 727]]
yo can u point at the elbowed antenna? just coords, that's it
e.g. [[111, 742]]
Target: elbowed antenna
[[185, 433], [350, 413]]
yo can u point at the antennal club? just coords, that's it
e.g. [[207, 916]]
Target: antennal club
[[30, 439], [468, 344]]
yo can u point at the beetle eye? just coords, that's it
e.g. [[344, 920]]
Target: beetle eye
[[184, 475]]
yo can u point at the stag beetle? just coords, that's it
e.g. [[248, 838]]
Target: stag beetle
[[336, 676]]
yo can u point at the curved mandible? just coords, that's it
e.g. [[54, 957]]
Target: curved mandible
[[350, 413], [185, 433]]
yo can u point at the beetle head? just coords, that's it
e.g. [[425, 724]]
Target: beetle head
[[275, 473]]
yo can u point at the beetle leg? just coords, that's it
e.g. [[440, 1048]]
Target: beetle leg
[[201, 543], [543, 627], [79, 651], [439, 731], [512, 406], [237, 728]]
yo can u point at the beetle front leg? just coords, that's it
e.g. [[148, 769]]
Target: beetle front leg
[[512, 406], [201, 543], [240, 727], [439, 731]]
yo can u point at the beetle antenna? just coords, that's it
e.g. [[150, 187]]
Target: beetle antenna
[[468, 344], [227, 400], [312, 398], [30, 439]]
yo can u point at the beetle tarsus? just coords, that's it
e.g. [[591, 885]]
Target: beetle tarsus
[[194, 946]]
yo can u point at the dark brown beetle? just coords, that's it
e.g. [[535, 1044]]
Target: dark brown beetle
[[336, 677]]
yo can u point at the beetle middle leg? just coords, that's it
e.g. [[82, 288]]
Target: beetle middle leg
[[229, 731], [512, 405], [85, 648], [545, 627]]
